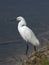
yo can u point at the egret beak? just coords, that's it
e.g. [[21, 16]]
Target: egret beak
[[14, 19]]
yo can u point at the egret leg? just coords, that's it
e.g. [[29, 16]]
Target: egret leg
[[27, 49], [35, 54], [35, 48]]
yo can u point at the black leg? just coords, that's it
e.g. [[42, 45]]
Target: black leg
[[35, 54], [27, 49], [35, 48]]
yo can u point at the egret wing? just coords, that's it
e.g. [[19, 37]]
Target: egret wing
[[28, 34]]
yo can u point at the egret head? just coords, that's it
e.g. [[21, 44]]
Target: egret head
[[21, 21], [19, 18]]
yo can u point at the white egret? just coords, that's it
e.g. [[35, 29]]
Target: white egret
[[26, 33]]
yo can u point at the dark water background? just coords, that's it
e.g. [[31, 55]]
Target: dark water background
[[36, 13]]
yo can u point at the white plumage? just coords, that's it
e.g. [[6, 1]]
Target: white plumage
[[26, 33]]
